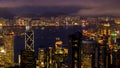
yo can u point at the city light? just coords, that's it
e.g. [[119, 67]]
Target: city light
[[113, 34], [107, 25], [1, 26], [2, 51], [27, 27], [53, 42]]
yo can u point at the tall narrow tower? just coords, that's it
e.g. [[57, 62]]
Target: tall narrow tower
[[27, 55], [75, 50], [29, 38], [2, 50], [9, 48]]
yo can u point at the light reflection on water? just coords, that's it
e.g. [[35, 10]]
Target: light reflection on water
[[45, 37]]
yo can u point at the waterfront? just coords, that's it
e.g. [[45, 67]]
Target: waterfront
[[44, 37], [53, 44]]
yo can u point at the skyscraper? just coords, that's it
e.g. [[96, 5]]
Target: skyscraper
[[42, 57], [75, 50], [9, 48], [27, 59]]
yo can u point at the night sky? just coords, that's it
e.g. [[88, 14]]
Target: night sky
[[81, 7]]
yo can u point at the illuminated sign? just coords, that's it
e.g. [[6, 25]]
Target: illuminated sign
[[107, 25]]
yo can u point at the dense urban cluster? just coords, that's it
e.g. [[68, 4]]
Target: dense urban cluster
[[96, 45], [57, 21]]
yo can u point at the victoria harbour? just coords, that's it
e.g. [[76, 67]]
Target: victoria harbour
[[45, 36], [54, 44], [59, 34]]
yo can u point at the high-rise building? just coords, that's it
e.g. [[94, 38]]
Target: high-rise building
[[29, 40], [75, 50], [50, 57], [89, 54], [2, 51], [58, 53], [27, 59], [102, 57], [41, 58], [9, 48], [29, 37], [118, 59]]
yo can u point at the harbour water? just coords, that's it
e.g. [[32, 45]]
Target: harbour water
[[45, 37]]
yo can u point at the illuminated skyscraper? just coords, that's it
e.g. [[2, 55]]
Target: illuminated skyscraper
[[27, 59], [27, 55], [58, 43], [50, 57], [29, 40], [75, 50], [2, 51], [29, 37], [58, 53], [9, 48], [88, 54], [41, 57], [6, 47]]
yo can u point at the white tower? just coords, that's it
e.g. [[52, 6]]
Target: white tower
[[29, 37]]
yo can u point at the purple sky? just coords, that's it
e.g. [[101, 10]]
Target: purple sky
[[89, 7]]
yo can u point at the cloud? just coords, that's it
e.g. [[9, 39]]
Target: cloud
[[95, 11], [16, 3], [107, 7], [89, 7], [91, 3]]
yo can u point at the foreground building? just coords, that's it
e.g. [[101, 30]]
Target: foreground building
[[75, 50]]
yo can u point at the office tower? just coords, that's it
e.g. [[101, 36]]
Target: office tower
[[29, 37], [41, 58], [27, 59], [50, 57], [88, 54], [106, 44], [75, 50], [58, 43], [9, 48], [2, 51], [102, 57], [58, 53], [29, 40], [118, 59], [105, 53], [27, 55], [107, 33]]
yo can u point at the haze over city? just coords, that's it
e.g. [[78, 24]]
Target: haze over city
[[10, 8]]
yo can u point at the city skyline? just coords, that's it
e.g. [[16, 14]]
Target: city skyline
[[45, 32], [59, 34]]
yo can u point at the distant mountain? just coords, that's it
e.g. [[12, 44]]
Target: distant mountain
[[6, 13], [33, 11], [37, 11]]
